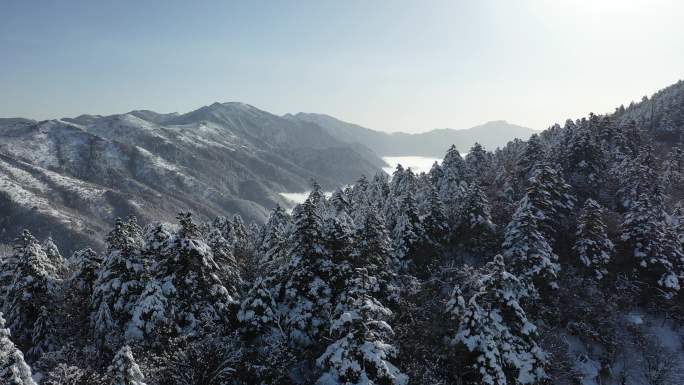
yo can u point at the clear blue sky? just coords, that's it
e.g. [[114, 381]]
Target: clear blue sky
[[392, 65]]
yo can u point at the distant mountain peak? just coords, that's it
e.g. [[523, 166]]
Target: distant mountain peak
[[492, 134]]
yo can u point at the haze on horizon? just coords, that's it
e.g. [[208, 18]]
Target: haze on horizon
[[392, 65]]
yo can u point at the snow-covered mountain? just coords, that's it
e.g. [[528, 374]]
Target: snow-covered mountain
[[70, 178], [429, 144]]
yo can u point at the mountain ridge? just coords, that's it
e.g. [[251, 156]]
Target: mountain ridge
[[431, 143], [85, 171]]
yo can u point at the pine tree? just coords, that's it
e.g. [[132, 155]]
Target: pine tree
[[124, 370], [476, 230], [493, 328], [58, 264], [338, 234], [120, 281], [652, 253], [408, 232], [673, 169], [435, 174], [532, 155], [85, 265], [527, 250], [258, 310], [273, 248], [551, 199], [360, 194], [104, 326], [593, 246], [478, 163], [452, 184], [677, 223], [378, 189], [241, 246], [434, 222], [44, 334], [224, 258], [30, 288], [317, 197], [372, 250], [340, 201], [362, 353], [149, 314], [13, 368], [584, 162], [638, 175], [307, 292], [190, 278]]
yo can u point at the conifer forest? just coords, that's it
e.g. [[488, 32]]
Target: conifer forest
[[553, 260]]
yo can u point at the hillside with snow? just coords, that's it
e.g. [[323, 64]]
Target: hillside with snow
[[70, 178]]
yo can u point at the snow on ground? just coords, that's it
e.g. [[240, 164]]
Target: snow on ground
[[28, 199], [416, 163], [631, 364], [157, 160]]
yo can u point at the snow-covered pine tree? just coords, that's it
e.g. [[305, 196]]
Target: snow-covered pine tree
[[673, 170], [241, 246], [103, 325], [120, 280], [551, 199], [316, 195], [223, 255], [593, 247], [403, 183], [360, 194], [307, 292], [58, 265], [225, 226], [259, 310], [190, 278], [527, 250], [434, 221], [493, 328], [44, 334], [476, 231], [583, 162], [372, 250], [452, 184], [435, 174], [677, 222], [254, 234], [362, 354], [339, 201], [85, 264], [408, 232], [532, 155], [30, 288], [649, 250], [13, 368], [362, 351], [124, 370], [378, 189], [398, 182], [149, 314], [337, 234], [638, 175], [478, 163], [273, 248]]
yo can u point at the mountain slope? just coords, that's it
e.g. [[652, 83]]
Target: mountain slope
[[491, 135], [70, 178]]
